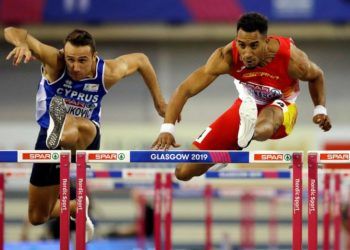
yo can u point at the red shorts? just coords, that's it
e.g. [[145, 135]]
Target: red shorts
[[222, 133]]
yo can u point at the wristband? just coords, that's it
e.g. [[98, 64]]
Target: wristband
[[167, 128], [320, 110]]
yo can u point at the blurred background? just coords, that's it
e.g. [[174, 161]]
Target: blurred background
[[178, 36]]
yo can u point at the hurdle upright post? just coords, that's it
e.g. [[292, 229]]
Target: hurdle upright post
[[168, 207], [326, 210], [297, 201], [81, 201], [2, 210], [273, 223], [337, 211], [312, 201], [247, 220], [64, 200], [141, 221], [157, 211], [208, 196]]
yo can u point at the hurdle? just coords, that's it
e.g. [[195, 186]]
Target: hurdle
[[127, 156], [200, 187], [193, 156], [42, 156], [324, 157]]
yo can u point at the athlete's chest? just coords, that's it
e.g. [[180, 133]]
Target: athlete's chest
[[85, 91], [273, 74], [264, 83]]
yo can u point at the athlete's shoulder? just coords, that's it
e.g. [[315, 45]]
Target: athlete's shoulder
[[220, 61], [227, 50], [52, 74], [273, 45], [281, 46], [114, 70], [109, 65], [221, 53]]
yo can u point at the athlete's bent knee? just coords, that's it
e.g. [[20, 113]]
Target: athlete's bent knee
[[69, 140], [37, 218], [181, 174], [263, 130]]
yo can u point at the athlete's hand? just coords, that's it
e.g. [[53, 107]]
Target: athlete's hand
[[165, 141], [323, 122], [19, 54]]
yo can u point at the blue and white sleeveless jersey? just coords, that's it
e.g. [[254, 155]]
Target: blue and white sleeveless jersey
[[83, 98]]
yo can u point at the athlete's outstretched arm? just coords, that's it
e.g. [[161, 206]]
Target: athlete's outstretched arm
[[302, 68], [219, 63], [26, 46], [128, 64]]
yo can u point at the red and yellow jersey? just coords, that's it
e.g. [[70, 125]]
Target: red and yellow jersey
[[267, 83]]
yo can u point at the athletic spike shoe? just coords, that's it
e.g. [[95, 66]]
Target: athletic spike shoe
[[89, 226], [248, 113], [57, 113]]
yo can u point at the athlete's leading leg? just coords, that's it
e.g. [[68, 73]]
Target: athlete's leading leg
[[66, 130], [259, 127]]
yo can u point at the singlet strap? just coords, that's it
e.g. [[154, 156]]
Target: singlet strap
[[100, 67]]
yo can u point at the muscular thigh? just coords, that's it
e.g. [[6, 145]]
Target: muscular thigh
[[285, 115], [88, 131], [271, 115]]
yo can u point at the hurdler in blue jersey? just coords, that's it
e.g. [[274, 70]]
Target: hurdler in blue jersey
[[68, 105]]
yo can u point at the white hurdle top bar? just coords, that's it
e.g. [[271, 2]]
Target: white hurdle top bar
[[32, 156], [332, 156], [115, 156], [194, 156]]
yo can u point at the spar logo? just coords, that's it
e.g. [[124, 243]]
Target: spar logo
[[334, 156], [121, 156], [272, 157], [287, 157], [55, 156], [40, 156], [106, 156]]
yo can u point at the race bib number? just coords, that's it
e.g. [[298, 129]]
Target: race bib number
[[80, 109], [203, 134], [262, 93]]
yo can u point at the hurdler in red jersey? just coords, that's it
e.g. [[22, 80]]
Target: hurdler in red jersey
[[266, 70], [269, 85]]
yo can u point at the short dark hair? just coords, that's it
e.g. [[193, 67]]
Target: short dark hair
[[253, 21], [81, 38]]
